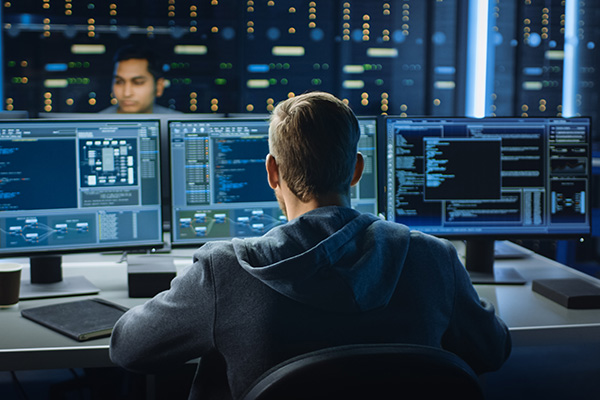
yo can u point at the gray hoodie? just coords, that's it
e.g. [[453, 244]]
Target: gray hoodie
[[331, 277]]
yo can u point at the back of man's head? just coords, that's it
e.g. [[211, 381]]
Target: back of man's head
[[314, 139], [133, 52]]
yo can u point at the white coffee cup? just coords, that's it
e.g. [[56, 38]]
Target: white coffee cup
[[10, 283]]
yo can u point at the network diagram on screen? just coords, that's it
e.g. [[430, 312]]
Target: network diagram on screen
[[495, 176], [219, 184], [68, 185]]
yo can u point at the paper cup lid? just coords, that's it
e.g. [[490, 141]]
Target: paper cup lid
[[10, 267]]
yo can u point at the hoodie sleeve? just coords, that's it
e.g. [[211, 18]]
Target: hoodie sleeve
[[475, 333], [173, 327]]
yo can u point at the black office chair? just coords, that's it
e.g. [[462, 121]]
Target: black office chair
[[369, 371]]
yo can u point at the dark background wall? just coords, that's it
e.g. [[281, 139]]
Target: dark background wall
[[395, 56]]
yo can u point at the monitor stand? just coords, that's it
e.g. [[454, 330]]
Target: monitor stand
[[47, 281], [480, 265]]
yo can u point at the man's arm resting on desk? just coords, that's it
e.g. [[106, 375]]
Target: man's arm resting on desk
[[475, 332], [170, 329]]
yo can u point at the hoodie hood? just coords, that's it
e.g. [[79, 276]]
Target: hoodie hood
[[333, 258]]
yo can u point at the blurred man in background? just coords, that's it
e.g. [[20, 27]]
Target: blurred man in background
[[137, 82]]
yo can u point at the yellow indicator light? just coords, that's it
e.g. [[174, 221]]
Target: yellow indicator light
[[88, 48], [257, 83], [353, 84], [532, 85], [382, 52], [444, 84], [56, 83], [353, 69], [190, 49], [294, 51], [554, 55]]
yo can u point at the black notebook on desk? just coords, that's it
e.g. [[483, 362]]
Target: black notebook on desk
[[80, 320]]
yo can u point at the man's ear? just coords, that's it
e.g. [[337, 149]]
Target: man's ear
[[358, 169], [160, 87], [272, 171]]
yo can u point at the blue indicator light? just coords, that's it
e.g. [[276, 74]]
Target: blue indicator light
[[445, 70], [535, 71], [258, 68], [56, 67], [26, 19]]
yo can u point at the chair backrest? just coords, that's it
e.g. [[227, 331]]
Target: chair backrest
[[369, 371]]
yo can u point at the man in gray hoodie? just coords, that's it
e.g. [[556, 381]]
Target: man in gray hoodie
[[330, 276]]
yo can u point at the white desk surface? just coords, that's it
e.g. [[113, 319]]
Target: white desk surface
[[532, 318]]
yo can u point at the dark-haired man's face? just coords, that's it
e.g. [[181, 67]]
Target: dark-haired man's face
[[134, 86]]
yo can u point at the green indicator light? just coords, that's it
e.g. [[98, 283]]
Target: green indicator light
[[187, 81], [12, 63], [284, 81], [379, 82], [286, 66], [220, 81], [272, 81]]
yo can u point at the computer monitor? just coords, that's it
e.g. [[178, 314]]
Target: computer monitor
[[73, 186], [164, 142], [219, 186], [364, 194], [486, 179]]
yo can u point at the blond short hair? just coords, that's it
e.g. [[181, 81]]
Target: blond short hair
[[314, 139]]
